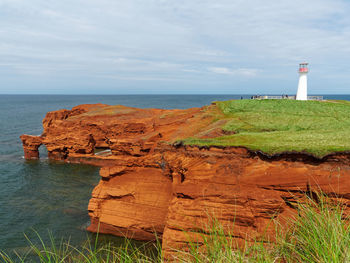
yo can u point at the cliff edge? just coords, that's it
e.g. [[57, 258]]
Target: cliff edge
[[167, 172]]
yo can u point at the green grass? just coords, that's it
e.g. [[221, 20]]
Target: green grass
[[90, 252], [275, 126], [319, 233]]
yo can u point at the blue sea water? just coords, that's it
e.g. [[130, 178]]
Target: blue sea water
[[53, 196]]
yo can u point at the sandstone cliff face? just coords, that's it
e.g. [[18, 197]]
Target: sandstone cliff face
[[31, 146], [149, 186]]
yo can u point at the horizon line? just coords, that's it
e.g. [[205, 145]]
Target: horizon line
[[152, 94]]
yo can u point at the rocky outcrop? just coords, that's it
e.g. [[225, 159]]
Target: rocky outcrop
[[151, 185], [136, 198], [71, 134], [31, 146]]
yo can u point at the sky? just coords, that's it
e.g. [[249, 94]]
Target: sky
[[173, 47]]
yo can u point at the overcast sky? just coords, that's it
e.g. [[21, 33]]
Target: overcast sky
[[182, 46]]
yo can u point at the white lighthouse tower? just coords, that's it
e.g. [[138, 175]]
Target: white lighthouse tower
[[302, 86]]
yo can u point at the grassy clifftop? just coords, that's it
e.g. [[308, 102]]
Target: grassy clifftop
[[275, 126]]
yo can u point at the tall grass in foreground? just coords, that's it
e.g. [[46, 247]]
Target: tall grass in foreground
[[319, 233], [220, 246], [90, 252]]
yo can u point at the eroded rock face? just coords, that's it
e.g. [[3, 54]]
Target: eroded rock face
[[186, 186], [242, 192], [76, 133], [137, 199], [149, 186], [31, 146]]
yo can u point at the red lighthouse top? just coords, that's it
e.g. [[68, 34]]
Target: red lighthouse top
[[303, 67]]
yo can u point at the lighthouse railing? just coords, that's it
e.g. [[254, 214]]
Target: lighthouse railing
[[288, 97]]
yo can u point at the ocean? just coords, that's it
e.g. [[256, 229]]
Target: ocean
[[45, 196]]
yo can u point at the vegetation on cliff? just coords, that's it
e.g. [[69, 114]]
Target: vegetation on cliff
[[275, 126], [318, 233], [167, 189]]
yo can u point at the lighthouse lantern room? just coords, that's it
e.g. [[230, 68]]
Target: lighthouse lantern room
[[302, 85]]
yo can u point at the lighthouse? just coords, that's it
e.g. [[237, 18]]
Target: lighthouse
[[302, 85]]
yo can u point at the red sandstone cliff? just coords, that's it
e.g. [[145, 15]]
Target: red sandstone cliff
[[149, 185]]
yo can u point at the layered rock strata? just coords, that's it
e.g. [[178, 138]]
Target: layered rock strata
[[150, 185]]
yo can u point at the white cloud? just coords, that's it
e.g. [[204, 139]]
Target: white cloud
[[170, 40], [191, 70], [235, 72]]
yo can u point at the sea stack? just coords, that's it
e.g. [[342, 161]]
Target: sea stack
[[302, 86]]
